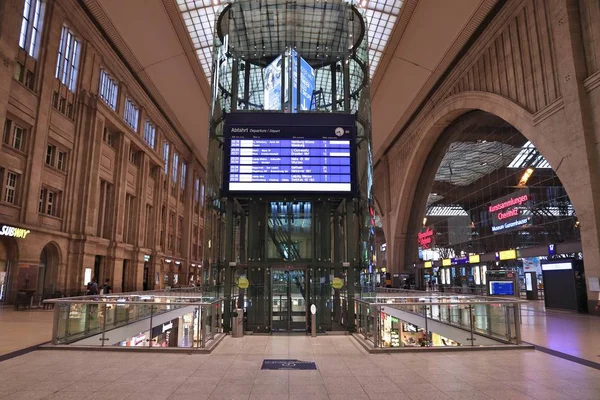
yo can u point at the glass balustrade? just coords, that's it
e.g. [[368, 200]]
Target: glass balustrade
[[184, 318], [403, 318]]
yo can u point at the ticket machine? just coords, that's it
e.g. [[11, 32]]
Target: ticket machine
[[502, 283]]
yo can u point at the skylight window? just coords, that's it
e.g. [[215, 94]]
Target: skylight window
[[200, 17], [446, 211], [529, 156]]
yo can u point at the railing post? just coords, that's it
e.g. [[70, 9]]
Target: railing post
[[199, 323], [151, 315], [517, 313], [472, 322], [202, 332], [56, 322], [426, 327], [104, 325], [68, 322], [507, 323]]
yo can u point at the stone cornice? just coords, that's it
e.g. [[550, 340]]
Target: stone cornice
[[592, 82], [548, 111]]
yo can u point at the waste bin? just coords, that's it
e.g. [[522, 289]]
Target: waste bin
[[237, 329]]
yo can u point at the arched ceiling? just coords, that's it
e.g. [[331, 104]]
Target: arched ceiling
[[167, 44]]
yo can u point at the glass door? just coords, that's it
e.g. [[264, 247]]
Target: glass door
[[288, 301], [297, 300], [280, 301]]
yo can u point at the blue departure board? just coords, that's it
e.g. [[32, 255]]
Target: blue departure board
[[271, 164]]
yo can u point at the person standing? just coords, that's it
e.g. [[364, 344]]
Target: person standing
[[92, 287], [106, 288]]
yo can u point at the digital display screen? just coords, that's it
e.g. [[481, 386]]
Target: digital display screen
[[285, 164], [557, 266], [528, 282], [294, 153], [502, 288]]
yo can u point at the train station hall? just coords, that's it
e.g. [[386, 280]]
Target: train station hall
[[300, 199]]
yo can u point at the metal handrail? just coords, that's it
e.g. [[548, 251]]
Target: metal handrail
[[421, 303], [91, 301]]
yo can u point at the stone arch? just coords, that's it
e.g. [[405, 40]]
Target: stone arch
[[9, 256], [50, 262], [430, 133]]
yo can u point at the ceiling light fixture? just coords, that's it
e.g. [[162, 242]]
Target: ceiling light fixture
[[525, 177]]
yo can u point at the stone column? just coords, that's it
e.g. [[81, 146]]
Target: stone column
[[572, 69]]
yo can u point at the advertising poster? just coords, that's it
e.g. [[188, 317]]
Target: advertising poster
[[307, 84], [511, 212], [273, 85]]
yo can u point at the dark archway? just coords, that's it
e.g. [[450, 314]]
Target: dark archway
[[477, 161], [47, 283], [8, 267]]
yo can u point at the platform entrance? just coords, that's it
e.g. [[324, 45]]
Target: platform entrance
[[288, 301]]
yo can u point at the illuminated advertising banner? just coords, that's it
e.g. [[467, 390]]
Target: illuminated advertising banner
[[14, 232], [289, 153], [273, 83], [425, 238], [509, 212], [272, 91], [307, 84]]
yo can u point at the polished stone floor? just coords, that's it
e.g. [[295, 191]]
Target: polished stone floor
[[345, 372], [22, 329], [575, 334]]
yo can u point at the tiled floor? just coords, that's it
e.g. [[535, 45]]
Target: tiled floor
[[566, 332], [345, 372], [22, 329]]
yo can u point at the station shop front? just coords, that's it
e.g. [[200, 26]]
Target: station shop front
[[398, 333], [179, 332], [29, 264]]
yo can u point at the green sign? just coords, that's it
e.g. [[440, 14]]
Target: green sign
[[337, 283], [243, 283]]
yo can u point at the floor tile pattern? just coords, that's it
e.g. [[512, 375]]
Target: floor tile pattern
[[345, 372]]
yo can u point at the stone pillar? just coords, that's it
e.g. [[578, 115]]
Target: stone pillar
[[39, 132], [120, 185], [572, 69]]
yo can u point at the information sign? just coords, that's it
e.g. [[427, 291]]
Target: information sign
[[337, 283], [268, 158]]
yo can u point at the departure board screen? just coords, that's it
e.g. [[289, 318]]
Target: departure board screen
[[290, 159]]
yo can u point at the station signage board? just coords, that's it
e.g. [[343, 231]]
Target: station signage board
[[460, 260], [425, 238], [289, 153], [509, 212]]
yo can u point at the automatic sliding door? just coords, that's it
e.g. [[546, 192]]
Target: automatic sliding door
[[288, 302], [298, 300], [280, 308]]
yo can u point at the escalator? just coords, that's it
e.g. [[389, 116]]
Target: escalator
[[283, 241]]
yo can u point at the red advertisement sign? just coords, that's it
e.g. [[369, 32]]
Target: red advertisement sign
[[426, 238]]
